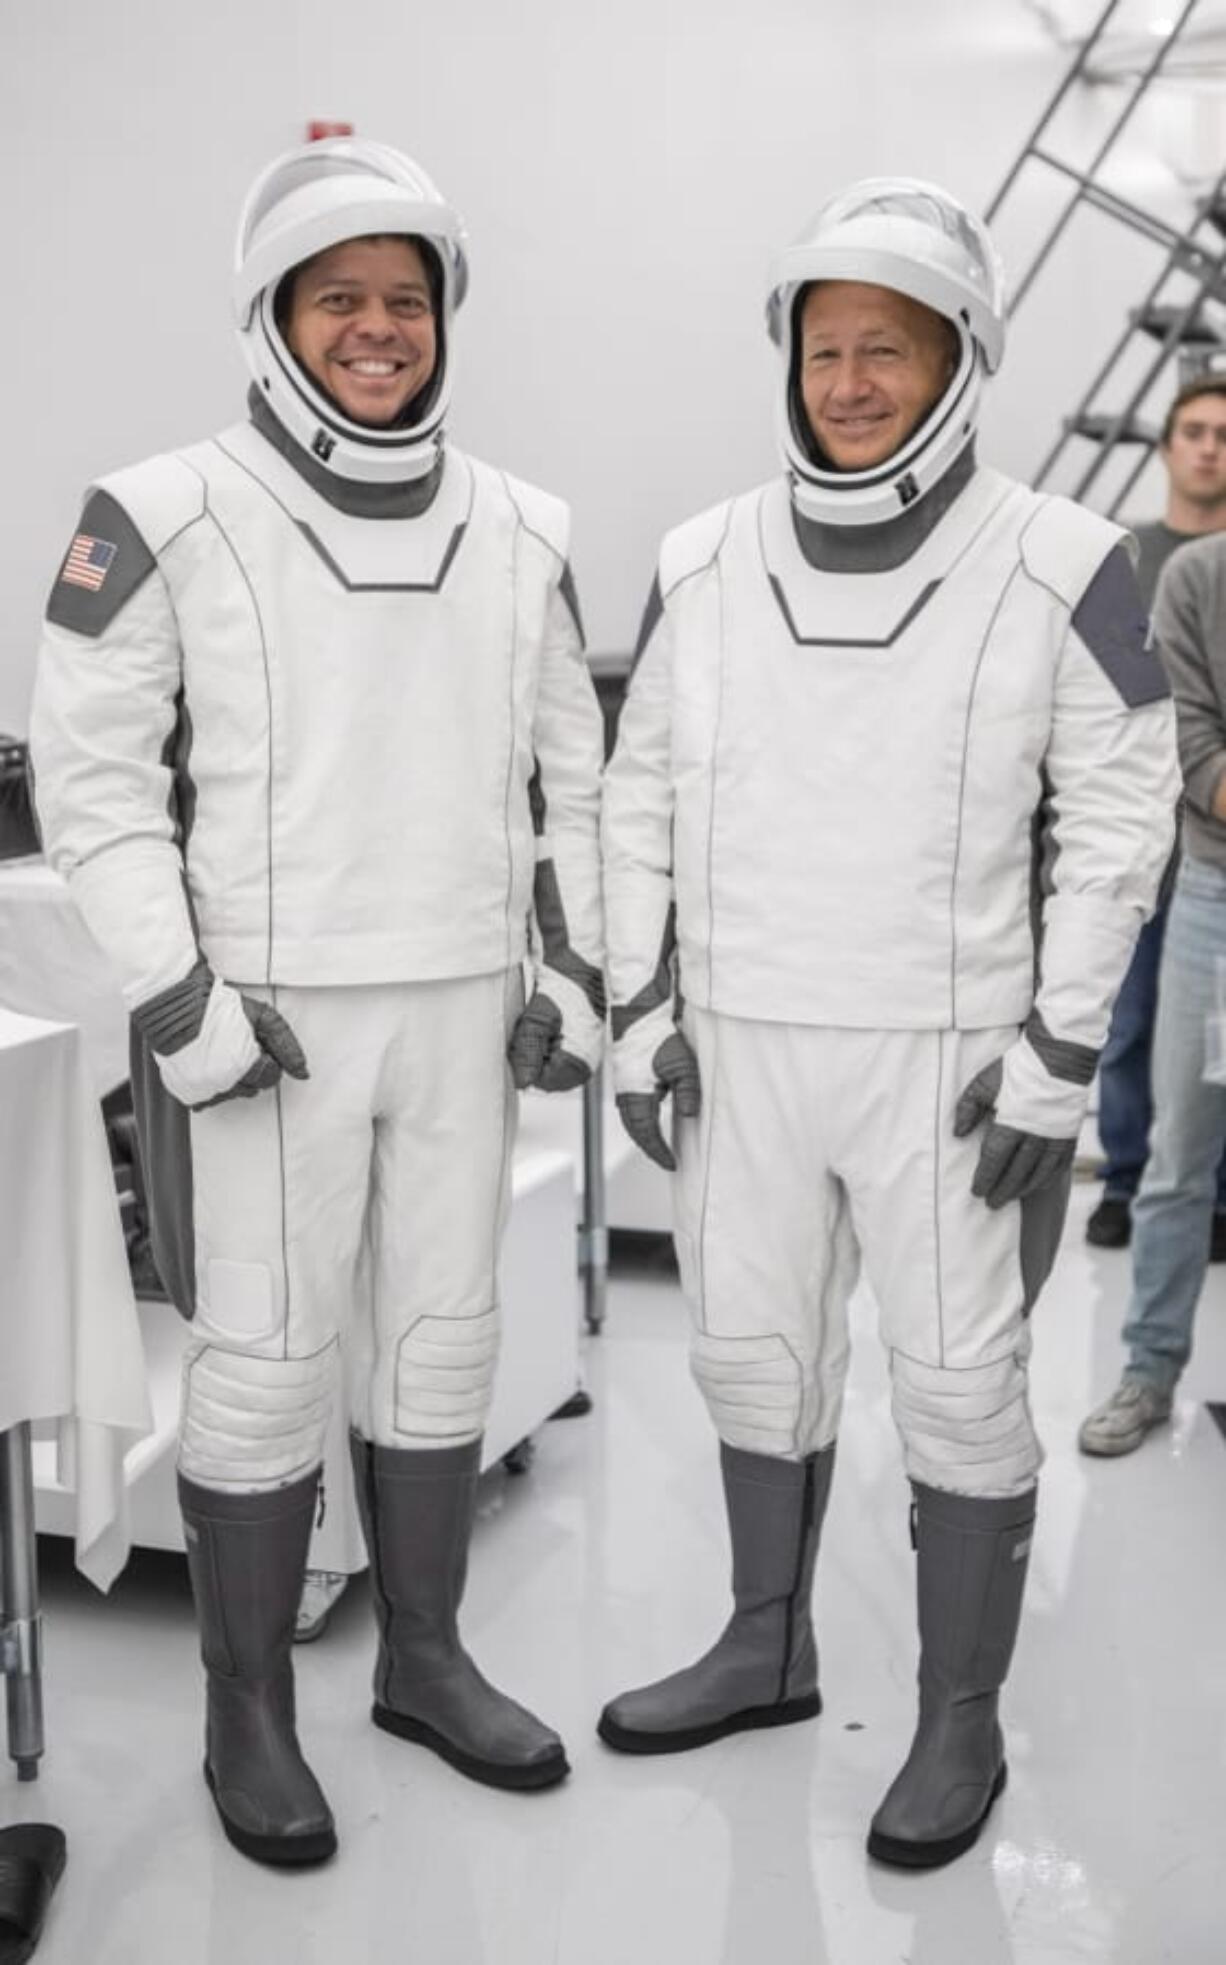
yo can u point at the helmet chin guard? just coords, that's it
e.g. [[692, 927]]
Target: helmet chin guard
[[307, 200], [915, 239]]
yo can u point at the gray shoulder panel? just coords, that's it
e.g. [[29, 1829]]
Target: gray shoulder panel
[[106, 562], [1110, 617]]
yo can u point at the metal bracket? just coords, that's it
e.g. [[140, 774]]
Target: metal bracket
[[593, 1248], [21, 1646]]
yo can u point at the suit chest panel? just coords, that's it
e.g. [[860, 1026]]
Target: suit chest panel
[[842, 691], [326, 623]]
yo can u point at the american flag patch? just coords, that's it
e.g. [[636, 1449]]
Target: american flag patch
[[89, 561]]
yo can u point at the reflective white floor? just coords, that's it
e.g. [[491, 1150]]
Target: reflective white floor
[[605, 1565]]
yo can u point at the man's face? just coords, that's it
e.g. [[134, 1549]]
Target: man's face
[[872, 364], [361, 323], [1196, 454]]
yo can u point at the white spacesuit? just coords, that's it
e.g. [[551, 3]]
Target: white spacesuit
[[313, 739], [874, 713]]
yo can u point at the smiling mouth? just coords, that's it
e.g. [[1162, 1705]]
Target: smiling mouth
[[856, 426], [369, 368]]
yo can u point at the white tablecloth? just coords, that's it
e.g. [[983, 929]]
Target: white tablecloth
[[51, 966], [70, 1348]]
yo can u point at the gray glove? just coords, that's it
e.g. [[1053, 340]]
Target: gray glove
[[676, 1071], [211, 1043], [536, 1052], [1011, 1163]]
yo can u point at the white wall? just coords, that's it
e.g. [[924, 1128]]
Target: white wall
[[626, 173]]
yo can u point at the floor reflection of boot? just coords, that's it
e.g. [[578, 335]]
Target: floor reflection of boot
[[762, 1669], [246, 1554], [417, 1508], [971, 1560]]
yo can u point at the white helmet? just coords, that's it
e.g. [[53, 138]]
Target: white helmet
[[309, 199], [901, 233]]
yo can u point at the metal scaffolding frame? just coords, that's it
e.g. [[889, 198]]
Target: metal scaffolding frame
[[1173, 323]]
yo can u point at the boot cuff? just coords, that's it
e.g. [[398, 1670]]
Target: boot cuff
[[765, 1469], [394, 1463], [266, 1504], [988, 1513]]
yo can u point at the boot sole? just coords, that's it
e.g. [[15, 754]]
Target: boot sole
[[491, 1773], [278, 1851], [930, 1855], [751, 1719]]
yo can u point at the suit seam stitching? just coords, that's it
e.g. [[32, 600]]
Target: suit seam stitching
[[709, 1159], [972, 692], [936, 1197], [509, 783], [524, 526], [268, 802], [705, 565]]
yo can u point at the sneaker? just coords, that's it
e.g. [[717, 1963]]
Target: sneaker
[[1122, 1421], [1110, 1225], [322, 1590], [1217, 1237]]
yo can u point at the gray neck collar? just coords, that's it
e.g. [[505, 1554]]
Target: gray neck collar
[[360, 501], [879, 548]]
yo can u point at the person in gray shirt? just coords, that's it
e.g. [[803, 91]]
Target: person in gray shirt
[[1173, 1209], [1193, 450]]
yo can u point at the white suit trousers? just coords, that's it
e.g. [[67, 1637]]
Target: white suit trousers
[[355, 1217], [818, 1150]]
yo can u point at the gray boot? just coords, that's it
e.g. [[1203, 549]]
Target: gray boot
[[246, 1554], [417, 1511], [971, 1560], [762, 1669]]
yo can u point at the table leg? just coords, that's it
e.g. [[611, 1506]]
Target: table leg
[[594, 1233], [20, 1622]]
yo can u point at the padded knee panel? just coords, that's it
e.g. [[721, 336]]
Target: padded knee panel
[[444, 1380], [754, 1389], [968, 1431], [253, 1423]]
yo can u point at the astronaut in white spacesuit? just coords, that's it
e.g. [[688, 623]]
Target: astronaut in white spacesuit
[[313, 738], [873, 700]]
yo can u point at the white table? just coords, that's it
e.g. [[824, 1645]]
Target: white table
[[70, 1349]]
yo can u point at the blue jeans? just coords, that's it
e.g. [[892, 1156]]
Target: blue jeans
[[1125, 1100], [1172, 1213]]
